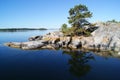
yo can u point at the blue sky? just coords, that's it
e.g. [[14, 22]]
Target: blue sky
[[52, 13]]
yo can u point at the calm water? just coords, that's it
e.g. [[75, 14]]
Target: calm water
[[16, 64]]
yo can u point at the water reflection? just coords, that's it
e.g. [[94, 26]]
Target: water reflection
[[78, 63]]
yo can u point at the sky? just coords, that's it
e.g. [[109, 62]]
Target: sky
[[52, 13]]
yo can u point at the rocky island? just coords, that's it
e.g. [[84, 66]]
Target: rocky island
[[105, 37]]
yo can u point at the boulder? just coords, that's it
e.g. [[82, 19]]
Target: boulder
[[86, 42], [64, 41], [54, 34], [75, 43], [51, 40], [35, 38], [32, 45], [53, 37]]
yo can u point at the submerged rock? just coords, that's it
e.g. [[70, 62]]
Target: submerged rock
[[13, 44]]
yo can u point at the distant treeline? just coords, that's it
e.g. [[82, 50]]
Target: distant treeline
[[113, 21], [20, 29]]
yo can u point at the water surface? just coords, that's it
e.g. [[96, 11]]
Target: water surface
[[16, 64]]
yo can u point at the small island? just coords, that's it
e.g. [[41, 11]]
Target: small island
[[104, 36]]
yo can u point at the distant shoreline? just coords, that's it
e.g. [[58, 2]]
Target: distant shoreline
[[20, 29], [23, 29]]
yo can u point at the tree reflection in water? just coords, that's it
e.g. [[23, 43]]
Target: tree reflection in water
[[79, 62]]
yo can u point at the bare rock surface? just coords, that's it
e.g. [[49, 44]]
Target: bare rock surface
[[106, 37]]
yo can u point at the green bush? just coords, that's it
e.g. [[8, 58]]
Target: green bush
[[64, 28]]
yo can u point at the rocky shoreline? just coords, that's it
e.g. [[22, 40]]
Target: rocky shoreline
[[52, 40], [106, 37]]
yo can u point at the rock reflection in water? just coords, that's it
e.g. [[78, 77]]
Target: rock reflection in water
[[79, 62]]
